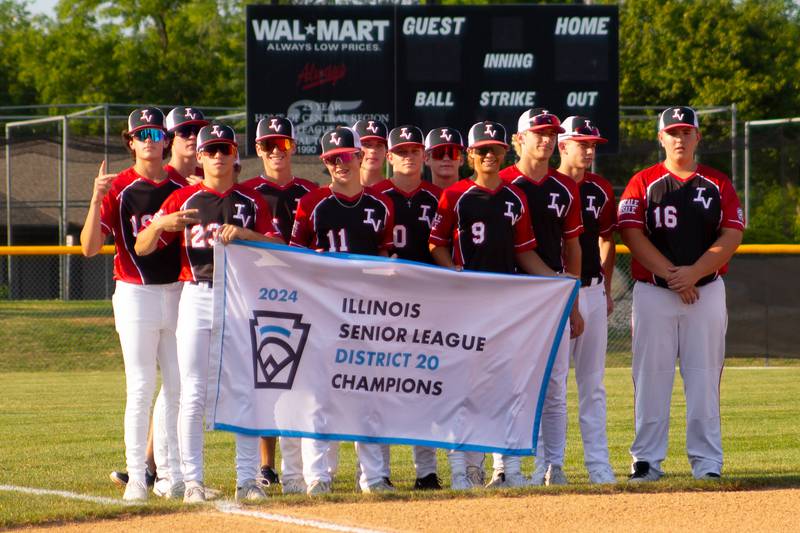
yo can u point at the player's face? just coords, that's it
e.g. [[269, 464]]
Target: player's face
[[406, 161], [184, 141], [148, 144], [374, 154], [577, 154], [487, 159], [217, 159], [344, 169], [442, 163], [538, 145], [276, 154], [680, 143]]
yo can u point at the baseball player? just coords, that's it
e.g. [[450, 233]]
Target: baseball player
[[343, 217], [373, 147], [415, 202], [483, 224], [275, 145], [444, 155], [146, 294], [588, 352], [556, 217], [682, 222], [198, 216]]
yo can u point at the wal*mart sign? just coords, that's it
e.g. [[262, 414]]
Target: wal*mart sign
[[456, 360], [431, 65]]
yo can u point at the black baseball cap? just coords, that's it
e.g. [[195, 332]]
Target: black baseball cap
[[678, 117], [580, 129], [339, 141], [369, 130], [405, 136], [485, 133], [215, 134], [443, 136], [145, 117], [275, 126], [185, 116], [538, 119]]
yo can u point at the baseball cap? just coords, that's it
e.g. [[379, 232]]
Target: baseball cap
[[215, 134], [340, 141], [371, 130], [580, 129], [537, 119], [676, 117], [443, 136], [145, 117], [274, 127], [184, 116], [405, 136], [487, 132]]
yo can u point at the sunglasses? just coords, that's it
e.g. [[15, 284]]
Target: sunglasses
[[282, 144], [223, 148], [154, 134], [586, 130], [187, 131], [483, 151], [439, 152], [545, 120], [340, 159]]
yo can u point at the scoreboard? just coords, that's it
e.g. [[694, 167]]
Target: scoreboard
[[430, 66]]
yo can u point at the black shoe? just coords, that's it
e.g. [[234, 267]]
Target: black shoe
[[388, 481], [429, 482], [119, 478], [150, 477], [642, 472], [268, 476], [710, 476]]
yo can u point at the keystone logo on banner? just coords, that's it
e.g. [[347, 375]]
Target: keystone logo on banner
[[278, 340]]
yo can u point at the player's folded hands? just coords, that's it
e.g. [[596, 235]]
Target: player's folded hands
[[681, 278]]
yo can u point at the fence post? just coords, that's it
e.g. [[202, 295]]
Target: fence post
[[746, 174], [63, 225], [734, 167]]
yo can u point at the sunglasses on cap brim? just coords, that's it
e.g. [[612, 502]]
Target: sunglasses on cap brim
[[154, 134], [340, 159], [448, 150], [223, 148], [283, 144], [545, 120]]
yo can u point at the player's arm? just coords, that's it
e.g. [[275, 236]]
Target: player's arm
[[608, 257], [92, 235], [683, 277], [441, 236], [573, 228], [443, 257], [163, 222], [231, 232], [644, 252], [530, 262], [573, 256]]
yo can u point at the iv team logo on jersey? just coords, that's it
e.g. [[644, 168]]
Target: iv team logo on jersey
[[278, 340]]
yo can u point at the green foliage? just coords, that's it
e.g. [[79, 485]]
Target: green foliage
[[776, 219]]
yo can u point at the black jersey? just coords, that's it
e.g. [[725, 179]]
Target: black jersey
[[485, 228], [238, 206], [334, 223], [555, 211], [599, 218], [128, 207], [282, 200], [413, 217]]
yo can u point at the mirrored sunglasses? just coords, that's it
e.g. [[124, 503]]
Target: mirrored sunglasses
[[451, 151], [154, 134], [340, 159], [283, 144], [223, 148]]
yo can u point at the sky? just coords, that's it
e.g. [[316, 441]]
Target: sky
[[44, 7]]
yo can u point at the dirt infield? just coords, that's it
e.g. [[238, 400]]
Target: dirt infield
[[768, 510]]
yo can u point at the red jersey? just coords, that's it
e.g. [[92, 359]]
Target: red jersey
[[238, 205], [128, 207], [413, 217], [681, 217], [599, 218], [335, 223], [282, 199], [485, 228], [555, 207]]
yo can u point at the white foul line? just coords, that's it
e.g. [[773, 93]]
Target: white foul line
[[229, 508], [66, 494]]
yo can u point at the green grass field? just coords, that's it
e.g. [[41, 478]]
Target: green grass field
[[63, 398]]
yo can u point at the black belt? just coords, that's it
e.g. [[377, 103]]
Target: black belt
[[590, 282], [204, 283]]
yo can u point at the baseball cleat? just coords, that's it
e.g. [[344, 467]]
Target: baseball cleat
[[380, 486], [642, 473], [537, 478], [710, 476], [476, 476], [603, 475], [195, 492], [164, 488], [318, 487], [516, 480], [250, 491], [555, 476], [293, 486], [429, 482], [268, 476], [498, 481], [135, 491], [460, 481], [119, 478]]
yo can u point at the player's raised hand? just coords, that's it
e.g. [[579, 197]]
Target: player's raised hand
[[178, 220], [681, 278], [102, 183], [193, 180]]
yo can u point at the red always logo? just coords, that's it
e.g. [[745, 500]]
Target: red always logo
[[313, 76]]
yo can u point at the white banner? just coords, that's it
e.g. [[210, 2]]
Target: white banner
[[346, 347]]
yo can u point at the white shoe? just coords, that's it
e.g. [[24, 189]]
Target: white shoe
[[161, 487], [212, 494], [164, 488], [135, 491], [516, 479], [318, 487], [379, 486], [555, 476], [498, 480], [250, 491], [195, 492], [476, 476], [602, 475], [460, 481], [537, 478], [293, 486]]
